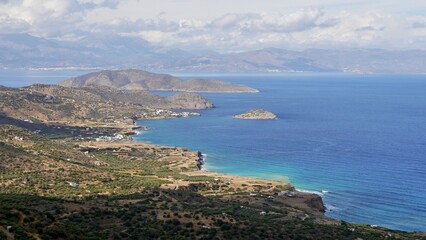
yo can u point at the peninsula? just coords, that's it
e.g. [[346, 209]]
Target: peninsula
[[92, 105], [257, 114], [132, 79]]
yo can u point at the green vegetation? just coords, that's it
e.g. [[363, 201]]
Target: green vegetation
[[164, 214], [34, 164], [66, 189]]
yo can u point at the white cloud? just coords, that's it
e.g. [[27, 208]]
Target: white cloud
[[304, 28], [365, 30], [298, 21], [47, 17], [229, 32], [242, 25]]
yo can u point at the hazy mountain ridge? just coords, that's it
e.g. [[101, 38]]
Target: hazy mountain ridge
[[105, 51], [132, 79]]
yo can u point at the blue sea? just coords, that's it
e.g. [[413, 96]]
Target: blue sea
[[358, 140], [22, 78]]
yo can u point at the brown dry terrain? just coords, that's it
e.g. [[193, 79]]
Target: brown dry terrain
[[71, 106]]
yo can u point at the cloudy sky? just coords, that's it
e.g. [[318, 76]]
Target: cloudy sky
[[226, 25]]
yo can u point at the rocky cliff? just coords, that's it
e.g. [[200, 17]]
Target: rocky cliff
[[190, 101]]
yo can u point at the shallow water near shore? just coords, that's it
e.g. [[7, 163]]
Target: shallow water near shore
[[358, 140]]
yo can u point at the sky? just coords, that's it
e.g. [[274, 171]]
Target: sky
[[225, 25]]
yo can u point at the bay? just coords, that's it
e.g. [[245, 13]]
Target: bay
[[358, 140]]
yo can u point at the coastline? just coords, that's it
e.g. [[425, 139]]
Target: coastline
[[318, 204], [144, 168], [203, 170], [252, 190], [301, 198]]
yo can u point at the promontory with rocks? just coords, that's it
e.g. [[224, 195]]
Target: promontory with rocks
[[257, 114], [132, 79]]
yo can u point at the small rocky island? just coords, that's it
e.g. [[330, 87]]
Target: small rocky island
[[257, 114]]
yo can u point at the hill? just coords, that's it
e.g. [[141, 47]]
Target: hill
[[109, 106], [141, 80], [141, 97]]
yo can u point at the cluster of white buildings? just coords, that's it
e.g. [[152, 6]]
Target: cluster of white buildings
[[162, 112], [115, 137]]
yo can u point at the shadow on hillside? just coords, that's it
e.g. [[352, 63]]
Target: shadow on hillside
[[55, 131]]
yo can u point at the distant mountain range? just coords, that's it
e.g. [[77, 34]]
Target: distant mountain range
[[100, 52], [133, 79]]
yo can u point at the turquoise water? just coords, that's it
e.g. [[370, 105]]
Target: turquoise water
[[359, 140]]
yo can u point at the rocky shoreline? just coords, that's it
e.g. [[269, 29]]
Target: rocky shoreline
[[200, 161]]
